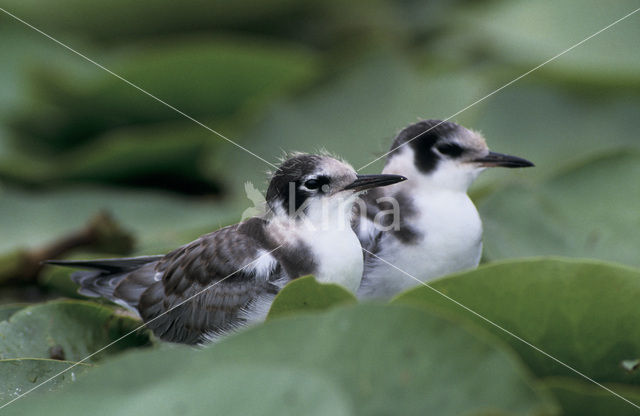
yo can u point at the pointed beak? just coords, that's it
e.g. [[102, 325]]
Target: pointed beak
[[494, 159], [365, 182]]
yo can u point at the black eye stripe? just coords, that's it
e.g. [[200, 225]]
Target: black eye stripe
[[450, 149]]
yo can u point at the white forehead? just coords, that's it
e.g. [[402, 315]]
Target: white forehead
[[469, 138], [335, 168]]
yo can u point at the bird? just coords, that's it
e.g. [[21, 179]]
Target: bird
[[426, 227], [227, 279]]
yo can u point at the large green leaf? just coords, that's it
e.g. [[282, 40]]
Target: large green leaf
[[68, 330], [19, 375], [305, 294], [589, 210], [579, 398], [167, 156], [360, 360], [9, 309], [528, 33], [120, 19], [584, 313], [202, 77], [160, 222]]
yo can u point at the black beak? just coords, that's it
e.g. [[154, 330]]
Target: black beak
[[371, 181], [494, 159]]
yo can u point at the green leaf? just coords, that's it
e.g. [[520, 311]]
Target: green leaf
[[528, 33], [305, 294], [9, 309], [67, 330], [159, 221], [589, 210], [367, 359], [19, 375], [121, 20], [578, 398], [165, 155], [200, 76], [574, 129], [583, 313], [350, 117]]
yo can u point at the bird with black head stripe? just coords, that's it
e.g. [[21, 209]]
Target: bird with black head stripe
[[428, 226], [229, 278]]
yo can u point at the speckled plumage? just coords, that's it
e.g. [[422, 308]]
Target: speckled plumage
[[228, 278]]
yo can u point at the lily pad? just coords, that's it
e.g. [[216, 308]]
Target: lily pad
[[67, 330], [305, 294], [528, 33], [584, 313], [578, 398], [589, 210], [19, 375], [9, 309], [361, 360], [200, 76], [159, 221]]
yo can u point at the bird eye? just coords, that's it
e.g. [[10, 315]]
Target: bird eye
[[450, 149], [312, 184]]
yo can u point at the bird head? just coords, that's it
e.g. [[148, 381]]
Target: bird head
[[306, 182], [444, 154]]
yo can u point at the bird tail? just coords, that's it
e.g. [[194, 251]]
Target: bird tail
[[103, 275]]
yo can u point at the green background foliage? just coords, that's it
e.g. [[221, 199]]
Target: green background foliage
[[282, 75]]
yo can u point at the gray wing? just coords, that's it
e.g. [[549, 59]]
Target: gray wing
[[104, 274], [211, 270]]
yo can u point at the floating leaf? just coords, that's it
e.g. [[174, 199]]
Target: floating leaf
[[305, 294], [160, 222], [19, 375], [202, 77], [9, 309], [528, 33], [69, 329], [362, 360], [584, 313], [578, 398], [589, 210]]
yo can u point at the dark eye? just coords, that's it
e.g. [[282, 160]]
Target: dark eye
[[450, 149], [312, 184]]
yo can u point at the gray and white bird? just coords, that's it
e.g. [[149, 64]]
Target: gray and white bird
[[306, 230], [436, 229]]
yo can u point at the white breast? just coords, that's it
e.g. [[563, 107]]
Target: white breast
[[339, 256], [451, 241]]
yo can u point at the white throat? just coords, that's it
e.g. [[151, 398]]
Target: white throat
[[326, 229]]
